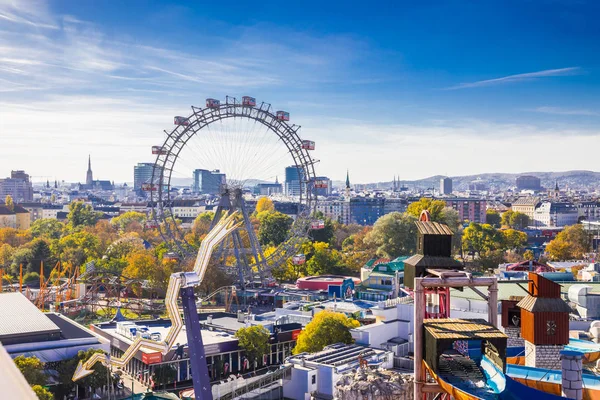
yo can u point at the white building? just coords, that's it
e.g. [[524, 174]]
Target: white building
[[336, 210], [555, 214], [316, 374]]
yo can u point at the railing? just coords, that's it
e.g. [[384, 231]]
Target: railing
[[232, 389]]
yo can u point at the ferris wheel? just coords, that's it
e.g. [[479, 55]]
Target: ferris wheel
[[228, 149]]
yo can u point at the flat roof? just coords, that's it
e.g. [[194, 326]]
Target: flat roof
[[20, 317]]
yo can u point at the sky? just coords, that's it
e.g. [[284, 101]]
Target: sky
[[401, 88]]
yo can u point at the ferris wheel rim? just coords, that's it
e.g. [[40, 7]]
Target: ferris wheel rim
[[201, 118]]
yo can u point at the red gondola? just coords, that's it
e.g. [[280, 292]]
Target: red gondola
[[158, 150], [320, 184], [298, 259], [181, 121], [282, 115], [213, 103], [248, 101], [149, 187], [151, 224], [319, 224], [308, 145]]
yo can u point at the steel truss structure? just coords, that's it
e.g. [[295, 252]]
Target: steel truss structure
[[259, 268]]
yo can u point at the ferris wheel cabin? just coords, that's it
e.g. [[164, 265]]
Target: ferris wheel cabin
[[159, 150], [149, 187], [299, 259], [181, 121], [316, 225], [308, 145], [320, 184], [151, 224], [282, 115], [248, 101], [213, 103]]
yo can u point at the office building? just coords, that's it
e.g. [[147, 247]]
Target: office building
[[529, 182], [555, 214], [322, 186], [268, 189], [208, 182], [445, 186], [293, 181], [525, 205], [336, 210], [366, 210], [142, 173], [18, 186], [394, 205]]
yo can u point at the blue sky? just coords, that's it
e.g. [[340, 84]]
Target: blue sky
[[441, 87]]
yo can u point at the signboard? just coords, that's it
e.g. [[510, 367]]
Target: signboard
[[151, 358], [347, 288]]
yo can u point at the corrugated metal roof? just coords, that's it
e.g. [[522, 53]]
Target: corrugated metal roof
[[433, 228], [543, 304], [19, 316], [466, 329]]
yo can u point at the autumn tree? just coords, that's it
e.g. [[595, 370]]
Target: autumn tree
[[201, 225], [47, 227], [9, 203], [126, 221], [81, 214], [254, 340], [32, 369], [273, 228], [513, 239], [393, 235], [570, 244], [326, 328], [42, 393], [493, 218], [515, 219], [528, 255], [264, 204], [435, 208], [481, 238], [323, 260]]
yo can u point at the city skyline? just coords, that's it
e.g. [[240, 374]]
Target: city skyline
[[79, 80]]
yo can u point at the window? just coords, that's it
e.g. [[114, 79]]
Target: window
[[314, 379]]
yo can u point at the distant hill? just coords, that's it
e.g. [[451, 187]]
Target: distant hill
[[571, 179]]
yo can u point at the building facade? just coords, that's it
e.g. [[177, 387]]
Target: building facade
[[336, 210], [366, 210], [525, 205], [555, 214], [589, 210], [528, 182], [469, 209], [293, 178], [208, 182], [18, 186], [142, 173], [445, 186]]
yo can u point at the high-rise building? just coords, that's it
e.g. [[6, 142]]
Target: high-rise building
[[142, 173], [208, 182], [322, 181], [528, 182], [469, 209], [18, 186], [293, 178], [446, 186], [366, 210]]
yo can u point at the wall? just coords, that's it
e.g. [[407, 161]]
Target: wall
[[542, 356]]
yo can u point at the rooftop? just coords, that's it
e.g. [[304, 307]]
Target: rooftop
[[433, 228], [19, 318], [461, 329]]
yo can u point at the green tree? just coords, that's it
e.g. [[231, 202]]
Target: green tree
[[393, 235], [81, 214], [42, 393], [264, 204], [32, 369], [76, 248], [323, 235], [22, 256], [490, 259], [164, 374], [493, 218], [515, 219], [125, 220], [435, 208], [274, 227], [513, 239], [8, 201], [326, 328], [98, 378], [47, 227], [254, 340], [323, 260], [570, 244], [480, 238]]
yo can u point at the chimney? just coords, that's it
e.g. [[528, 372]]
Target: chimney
[[572, 379]]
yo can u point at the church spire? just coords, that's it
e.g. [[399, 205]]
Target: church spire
[[89, 178], [347, 179]]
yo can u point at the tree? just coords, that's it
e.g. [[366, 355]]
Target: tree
[[81, 214], [323, 235], [481, 238], [341, 232], [264, 204], [515, 219], [393, 235], [32, 369], [326, 328], [570, 244], [490, 259], [323, 260], [435, 208], [42, 393], [76, 248], [6, 254], [8, 201], [255, 341], [14, 237], [513, 239], [202, 223], [528, 255], [164, 374], [98, 378], [493, 218], [47, 227], [274, 227], [124, 221]]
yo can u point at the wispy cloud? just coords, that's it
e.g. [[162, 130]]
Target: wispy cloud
[[519, 78], [566, 111]]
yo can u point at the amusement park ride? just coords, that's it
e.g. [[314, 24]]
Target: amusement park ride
[[230, 226]]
